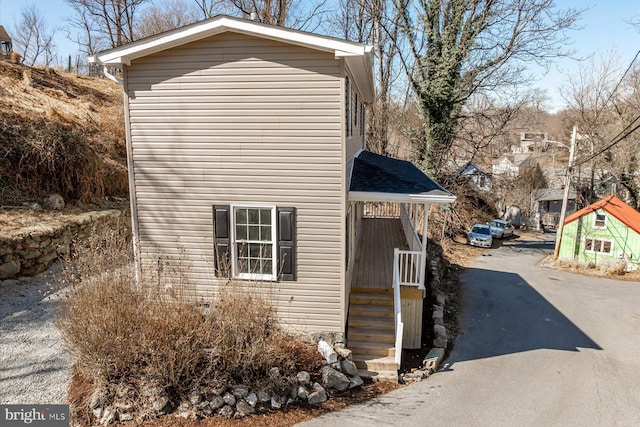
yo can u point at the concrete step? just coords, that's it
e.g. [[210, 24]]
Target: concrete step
[[364, 334], [371, 310], [379, 375], [369, 348], [375, 323], [376, 364], [362, 298]]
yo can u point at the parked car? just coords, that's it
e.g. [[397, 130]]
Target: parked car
[[480, 235], [500, 228]]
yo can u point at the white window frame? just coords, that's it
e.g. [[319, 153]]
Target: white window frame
[[234, 255], [595, 219], [602, 241]]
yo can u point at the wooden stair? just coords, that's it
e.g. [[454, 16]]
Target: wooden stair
[[371, 332]]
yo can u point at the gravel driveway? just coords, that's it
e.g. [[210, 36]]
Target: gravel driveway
[[33, 367]]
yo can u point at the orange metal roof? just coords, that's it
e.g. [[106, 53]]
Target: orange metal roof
[[614, 206]]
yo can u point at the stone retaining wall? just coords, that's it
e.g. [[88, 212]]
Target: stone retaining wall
[[33, 249]]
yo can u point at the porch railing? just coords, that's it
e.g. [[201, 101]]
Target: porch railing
[[410, 266], [397, 308], [381, 210]]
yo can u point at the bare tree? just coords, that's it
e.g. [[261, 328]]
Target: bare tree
[[165, 16], [602, 103], [453, 49], [105, 23], [298, 14], [34, 37], [210, 8], [373, 22]]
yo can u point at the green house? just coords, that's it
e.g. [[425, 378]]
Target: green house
[[607, 231]]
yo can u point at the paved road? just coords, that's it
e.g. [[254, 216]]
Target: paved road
[[540, 347]]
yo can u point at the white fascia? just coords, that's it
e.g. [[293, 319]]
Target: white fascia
[[125, 54], [436, 197]]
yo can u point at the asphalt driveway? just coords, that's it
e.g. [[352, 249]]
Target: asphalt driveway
[[539, 347]]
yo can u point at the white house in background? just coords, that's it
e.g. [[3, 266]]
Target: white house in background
[[245, 148], [477, 177], [511, 164]]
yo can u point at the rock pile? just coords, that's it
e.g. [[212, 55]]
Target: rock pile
[[337, 374]]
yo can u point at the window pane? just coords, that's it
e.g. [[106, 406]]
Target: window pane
[[241, 232], [265, 232], [241, 216], [240, 250], [266, 251], [265, 216], [254, 250], [606, 247], [253, 215], [255, 266], [254, 232], [588, 245], [266, 266]]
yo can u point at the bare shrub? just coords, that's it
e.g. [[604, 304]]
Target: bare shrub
[[120, 331], [246, 334], [617, 268]]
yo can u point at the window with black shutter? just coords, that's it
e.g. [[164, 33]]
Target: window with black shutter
[[255, 243]]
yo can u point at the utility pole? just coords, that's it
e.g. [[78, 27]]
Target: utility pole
[[567, 186]]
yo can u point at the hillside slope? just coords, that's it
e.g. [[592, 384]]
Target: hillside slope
[[60, 133]]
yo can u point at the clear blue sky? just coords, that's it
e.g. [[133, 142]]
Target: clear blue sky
[[603, 27]]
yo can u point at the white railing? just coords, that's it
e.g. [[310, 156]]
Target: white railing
[[397, 308], [411, 268], [381, 210]]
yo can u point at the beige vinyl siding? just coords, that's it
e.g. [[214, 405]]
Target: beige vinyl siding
[[240, 120]]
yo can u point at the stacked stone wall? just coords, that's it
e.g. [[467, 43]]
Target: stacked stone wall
[[33, 249]]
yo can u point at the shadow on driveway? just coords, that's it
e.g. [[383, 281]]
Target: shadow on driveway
[[506, 315]]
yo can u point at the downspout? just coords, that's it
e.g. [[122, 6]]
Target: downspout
[[110, 76], [132, 203]]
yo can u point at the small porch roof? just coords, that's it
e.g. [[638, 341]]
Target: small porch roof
[[376, 178]]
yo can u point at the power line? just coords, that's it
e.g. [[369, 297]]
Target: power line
[[622, 135]]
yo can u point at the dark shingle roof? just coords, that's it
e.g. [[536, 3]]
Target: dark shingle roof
[[549, 194], [374, 173]]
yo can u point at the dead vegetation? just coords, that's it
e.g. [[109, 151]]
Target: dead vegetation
[[60, 133], [126, 337], [613, 270]]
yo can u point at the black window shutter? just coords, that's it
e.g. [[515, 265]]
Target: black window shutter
[[222, 239], [287, 243]]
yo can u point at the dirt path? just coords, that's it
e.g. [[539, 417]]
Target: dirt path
[[33, 367]]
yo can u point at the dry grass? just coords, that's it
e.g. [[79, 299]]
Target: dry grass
[[59, 133], [611, 270]]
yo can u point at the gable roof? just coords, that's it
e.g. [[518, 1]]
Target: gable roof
[[380, 178], [614, 206], [358, 57], [469, 168], [549, 194], [4, 36]]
